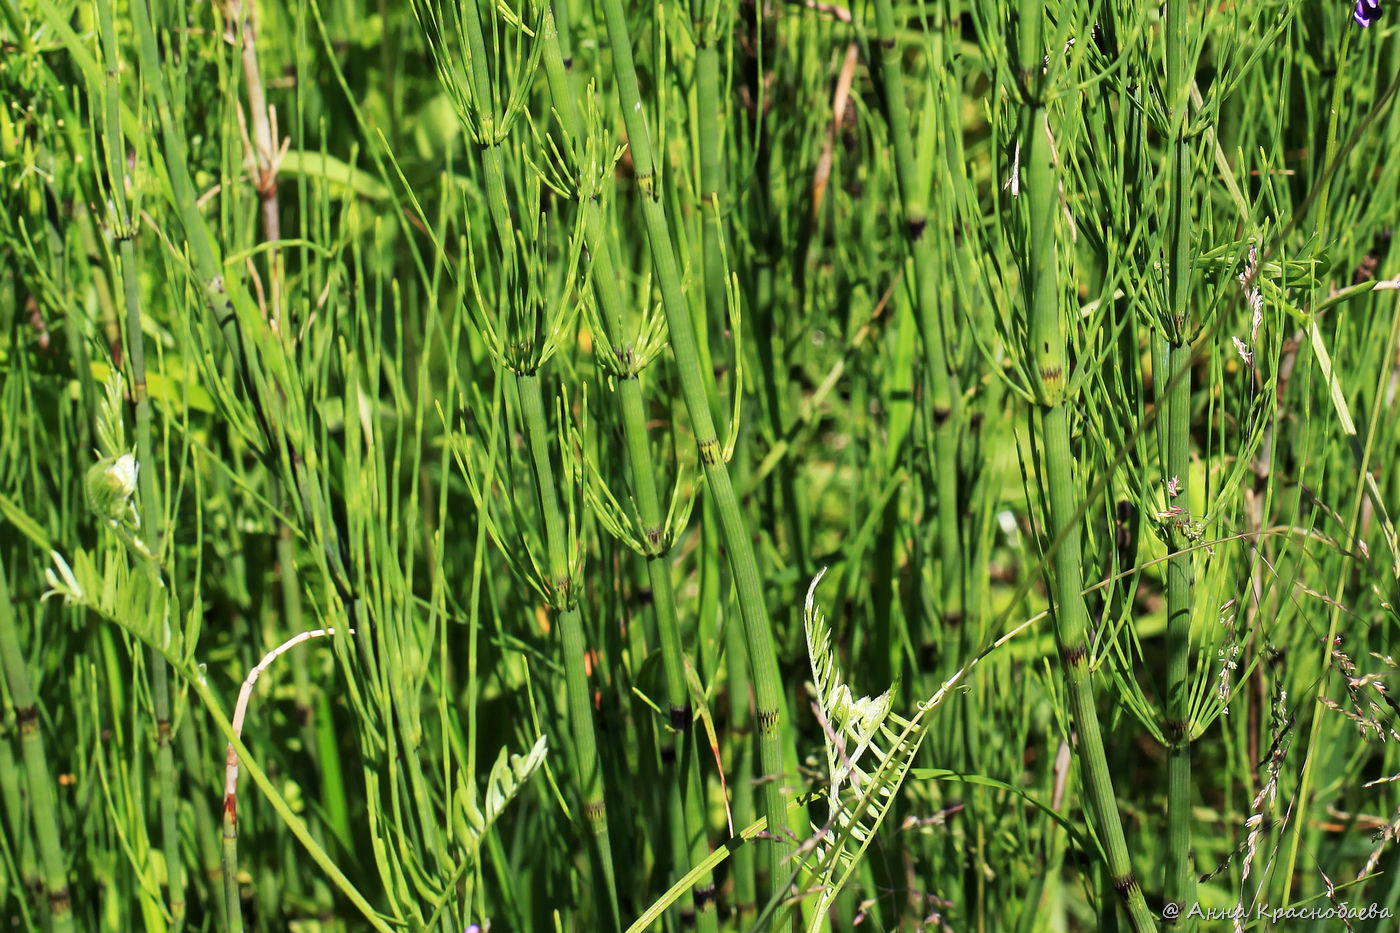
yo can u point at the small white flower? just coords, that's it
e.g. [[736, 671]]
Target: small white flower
[[1243, 350], [67, 587], [123, 472], [1014, 182]]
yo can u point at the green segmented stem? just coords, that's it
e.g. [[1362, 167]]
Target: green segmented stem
[[714, 211], [1179, 886], [753, 609], [1050, 357], [43, 807], [15, 823], [713, 184], [944, 396], [571, 635], [685, 783], [686, 800], [205, 833], [573, 642], [741, 729], [125, 232]]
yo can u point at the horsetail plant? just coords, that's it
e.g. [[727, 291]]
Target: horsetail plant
[[1175, 432], [624, 353], [708, 19], [42, 804], [752, 606], [149, 527], [945, 397], [1050, 365], [249, 249], [524, 322]]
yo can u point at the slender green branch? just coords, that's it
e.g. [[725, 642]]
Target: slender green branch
[[561, 580], [684, 789], [43, 806], [744, 565], [944, 395], [124, 230], [1179, 886], [1051, 365]]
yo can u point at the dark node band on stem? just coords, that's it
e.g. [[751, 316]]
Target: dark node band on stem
[[668, 753], [27, 717], [1125, 885], [1074, 655], [710, 451], [1176, 731], [645, 596], [654, 536], [767, 721], [705, 898], [597, 813], [941, 413], [60, 902], [917, 224], [680, 717]]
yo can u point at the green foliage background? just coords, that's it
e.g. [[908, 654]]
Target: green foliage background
[[979, 299]]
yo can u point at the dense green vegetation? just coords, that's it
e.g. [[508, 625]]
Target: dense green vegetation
[[484, 463]]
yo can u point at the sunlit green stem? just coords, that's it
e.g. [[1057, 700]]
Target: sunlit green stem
[[713, 185], [684, 791], [741, 781], [1051, 365], [943, 384], [43, 807], [1179, 886], [686, 782], [752, 605], [150, 532], [571, 633]]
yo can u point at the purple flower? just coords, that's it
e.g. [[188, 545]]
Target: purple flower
[[1366, 12]]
